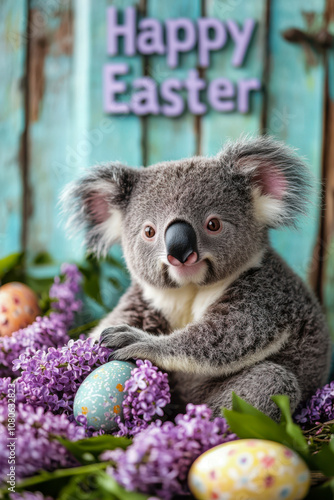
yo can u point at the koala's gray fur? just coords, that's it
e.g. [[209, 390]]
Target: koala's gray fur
[[243, 321]]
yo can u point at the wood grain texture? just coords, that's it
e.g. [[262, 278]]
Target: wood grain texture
[[326, 269], [294, 115], [122, 142], [13, 27], [50, 123], [171, 138], [218, 127]]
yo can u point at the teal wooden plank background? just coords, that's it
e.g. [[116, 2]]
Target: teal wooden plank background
[[13, 20], [294, 115], [170, 138], [52, 123], [218, 127]]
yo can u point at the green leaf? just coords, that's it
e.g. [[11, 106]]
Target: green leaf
[[50, 483], [84, 488], [249, 422], [109, 484], [257, 427], [264, 427], [43, 258], [292, 429], [39, 285], [112, 261], [94, 446], [241, 406], [9, 262]]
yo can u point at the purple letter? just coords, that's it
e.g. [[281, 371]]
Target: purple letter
[[241, 39], [176, 103], [244, 89], [174, 43], [194, 84], [145, 102], [150, 40], [114, 30], [111, 87], [219, 89], [205, 43]]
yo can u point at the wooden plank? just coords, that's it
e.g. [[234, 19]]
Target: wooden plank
[[327, 236], [50, 124], [13, 26], [122, 142], [219, 126], [294, 114], [171, 138]]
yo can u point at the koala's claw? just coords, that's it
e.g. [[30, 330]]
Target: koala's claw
[[122, 336], [127, 353], [130, 343]]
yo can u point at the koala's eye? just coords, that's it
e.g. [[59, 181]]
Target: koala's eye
[[213, 225], [149, 232]]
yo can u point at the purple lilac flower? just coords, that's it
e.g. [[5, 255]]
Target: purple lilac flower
[[51, 378], [159, 459], [28, 495], [35, 445], [6, 385], [47, 331], [319, 408], [147, 394]]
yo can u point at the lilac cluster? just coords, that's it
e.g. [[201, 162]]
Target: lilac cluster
[[319, 408], [159, 459], [28, 495], [5, 385], [46, 331], [147, 394], [36, 445], [51, 378]]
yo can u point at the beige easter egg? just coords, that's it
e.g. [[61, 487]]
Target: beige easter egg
[[18, 307]]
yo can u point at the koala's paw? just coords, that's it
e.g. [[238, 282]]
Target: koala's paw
[[129, 342]]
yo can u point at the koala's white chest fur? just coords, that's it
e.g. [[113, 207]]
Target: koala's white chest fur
[[187, 304], [184, 305]]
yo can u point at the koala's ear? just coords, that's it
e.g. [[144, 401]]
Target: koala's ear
[[281, 183], [96, 202]]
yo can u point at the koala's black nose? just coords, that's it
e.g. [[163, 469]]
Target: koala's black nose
[[181, 244]]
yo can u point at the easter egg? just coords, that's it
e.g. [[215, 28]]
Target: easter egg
[[249, 469], [18, 307], [101, 394]]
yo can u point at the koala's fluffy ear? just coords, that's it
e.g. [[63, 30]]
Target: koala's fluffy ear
[[281, 182], [95, 203]]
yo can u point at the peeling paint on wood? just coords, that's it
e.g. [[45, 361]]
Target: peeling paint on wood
[[50, 123], [294, 113], [13, 26], [218, 127], [169, 139], [326, 269]]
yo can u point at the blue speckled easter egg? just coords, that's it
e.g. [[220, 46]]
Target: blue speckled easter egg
[[101, 394]]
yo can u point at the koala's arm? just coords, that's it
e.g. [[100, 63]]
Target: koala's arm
[[226, 340], [133, 311], [251, 322]]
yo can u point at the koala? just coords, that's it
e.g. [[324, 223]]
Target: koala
[[210, 302]]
